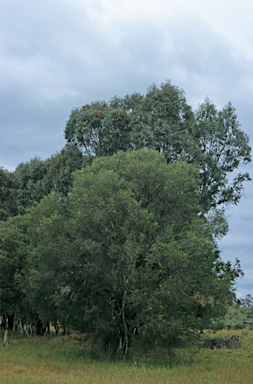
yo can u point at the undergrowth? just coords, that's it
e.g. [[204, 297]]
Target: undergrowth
[[239, 315], [63, 359]]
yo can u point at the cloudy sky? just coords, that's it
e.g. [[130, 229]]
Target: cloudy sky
[[61, 54]]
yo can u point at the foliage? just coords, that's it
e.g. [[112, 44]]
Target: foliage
[[127, 254], [8, 205], [239, 315], [20, 191], [223, 147], [100, 129], [163, 120], [44, 257], [13, 245], [31, 181], [60, 168], [28, 181]]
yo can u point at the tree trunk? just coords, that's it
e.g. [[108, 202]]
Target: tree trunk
[[4, 327], [56, 327], [19, 324], [28, 328], [39, 327], [6, 336], [47, 328], [10, 321], [20, 327]]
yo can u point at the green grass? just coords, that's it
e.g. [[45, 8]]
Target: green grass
[[62, 359]]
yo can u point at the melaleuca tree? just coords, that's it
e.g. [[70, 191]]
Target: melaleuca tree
[[163, 120], [135, 257]]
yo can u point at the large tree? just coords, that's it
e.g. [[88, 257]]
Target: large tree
[[134, 259], [163, 120]]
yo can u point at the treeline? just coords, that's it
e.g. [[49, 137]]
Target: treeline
[[31, 181], [125, 246]]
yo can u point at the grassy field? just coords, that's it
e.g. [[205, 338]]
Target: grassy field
[[63, 359]]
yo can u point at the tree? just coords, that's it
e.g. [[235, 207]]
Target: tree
[[44, 254], [31, 181], [8, 205], [100, 129], [28, 183], [28, 302], [163, 120], [20, 192], [135, 258], [60, 167], [13, 251], [223, 147]]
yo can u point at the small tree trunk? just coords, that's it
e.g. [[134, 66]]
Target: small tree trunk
[[47, 328], [39, 328], [6, 337], [126, 336], [56, 327], [6, 334], [20, 327], [4, 327], [28, 328]]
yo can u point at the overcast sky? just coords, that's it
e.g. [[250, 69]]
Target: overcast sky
[[60, 54]]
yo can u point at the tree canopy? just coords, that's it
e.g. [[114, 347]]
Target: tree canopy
[[31, 181], [127, 254], [162, 120]]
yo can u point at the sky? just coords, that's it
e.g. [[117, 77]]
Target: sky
[[57, 55]]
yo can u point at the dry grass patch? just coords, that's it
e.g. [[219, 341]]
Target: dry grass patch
[[62, 360]]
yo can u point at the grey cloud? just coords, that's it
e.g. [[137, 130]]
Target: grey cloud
[[67, 61]]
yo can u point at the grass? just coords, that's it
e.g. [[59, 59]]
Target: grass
[[62, 359]]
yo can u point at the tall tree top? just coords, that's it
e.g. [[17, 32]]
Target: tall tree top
[[162, 120]]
